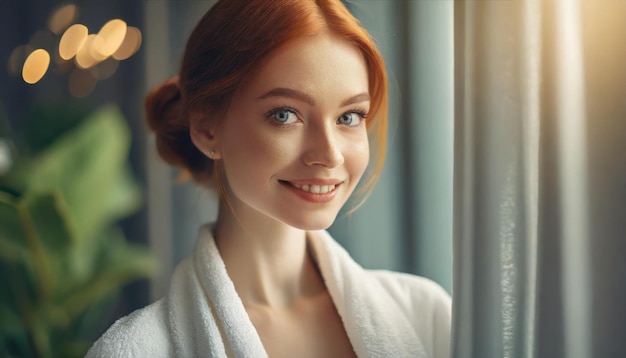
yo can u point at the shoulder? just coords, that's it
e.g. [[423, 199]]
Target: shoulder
[[142, 333], [425, 303]]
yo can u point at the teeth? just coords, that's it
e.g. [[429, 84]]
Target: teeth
[[315, 189]]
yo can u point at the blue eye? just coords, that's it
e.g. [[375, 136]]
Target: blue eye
[[351, 118], [284, 116]]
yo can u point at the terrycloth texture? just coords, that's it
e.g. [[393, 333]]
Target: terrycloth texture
[[385, 314]]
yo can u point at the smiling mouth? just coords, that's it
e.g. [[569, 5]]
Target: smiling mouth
[[313, 188]]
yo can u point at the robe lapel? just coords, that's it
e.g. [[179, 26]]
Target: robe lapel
[[375, 325], [206, 311]]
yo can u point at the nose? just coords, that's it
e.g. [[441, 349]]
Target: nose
[[323, 147]]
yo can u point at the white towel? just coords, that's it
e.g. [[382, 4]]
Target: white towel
[[385, 314]]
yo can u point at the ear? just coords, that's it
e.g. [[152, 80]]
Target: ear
[[204, 138]]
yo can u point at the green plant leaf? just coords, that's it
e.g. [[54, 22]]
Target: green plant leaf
[[13, 244], [17, 298], [11, 324], [88, 166], [49, 215], [60, 253], [119, 264], [76, 349]]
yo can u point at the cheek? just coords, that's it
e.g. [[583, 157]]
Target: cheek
[[253, 154], [358, 157]]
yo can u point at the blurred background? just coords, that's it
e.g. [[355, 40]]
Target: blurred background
[[507, 147], [72, 173]]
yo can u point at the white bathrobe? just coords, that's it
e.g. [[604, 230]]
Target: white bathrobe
[[385, 314]]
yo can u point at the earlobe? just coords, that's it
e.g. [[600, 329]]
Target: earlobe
[[205, 141]]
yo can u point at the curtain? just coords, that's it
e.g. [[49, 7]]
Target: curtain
[[539, 179], [406, 224]]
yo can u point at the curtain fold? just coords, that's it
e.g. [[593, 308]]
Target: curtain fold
[[527, 239], [496, 184]]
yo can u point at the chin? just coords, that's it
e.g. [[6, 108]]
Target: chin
[[312, 223]]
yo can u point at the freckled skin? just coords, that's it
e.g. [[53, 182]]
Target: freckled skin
[[257, 153]]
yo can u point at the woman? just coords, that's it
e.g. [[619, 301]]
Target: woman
[[274, 104]]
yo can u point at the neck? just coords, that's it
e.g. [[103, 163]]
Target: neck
[[268, 261]]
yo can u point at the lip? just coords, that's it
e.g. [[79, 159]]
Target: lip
[[315, 181], [310, 197]]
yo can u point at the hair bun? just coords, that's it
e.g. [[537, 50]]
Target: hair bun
[[166, 117], [163, 102]]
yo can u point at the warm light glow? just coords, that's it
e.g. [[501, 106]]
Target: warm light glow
[[93, 56], [35, 66], [56, 57], [62, 18], [98, 49], [81, 83], [113, 33], [89, 55], [132, 42], [72, 40]]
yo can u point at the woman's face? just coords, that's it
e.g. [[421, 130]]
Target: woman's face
[[294, 141]]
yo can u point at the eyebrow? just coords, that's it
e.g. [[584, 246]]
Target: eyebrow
[[303, 97]]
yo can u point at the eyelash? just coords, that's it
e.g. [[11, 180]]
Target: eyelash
[[362, 113], [270, 114]]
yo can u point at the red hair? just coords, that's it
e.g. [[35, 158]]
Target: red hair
[[232, 39]]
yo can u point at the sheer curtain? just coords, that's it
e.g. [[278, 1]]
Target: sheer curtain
[[540, 176]]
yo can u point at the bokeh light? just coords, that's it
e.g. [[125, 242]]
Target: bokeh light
[[62, 18], [130, 45], [112, 34], [89, 53], [35, 66], [97, 49], [72, 40], [87, 58]]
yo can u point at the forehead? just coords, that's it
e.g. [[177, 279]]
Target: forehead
[[323, 64]]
